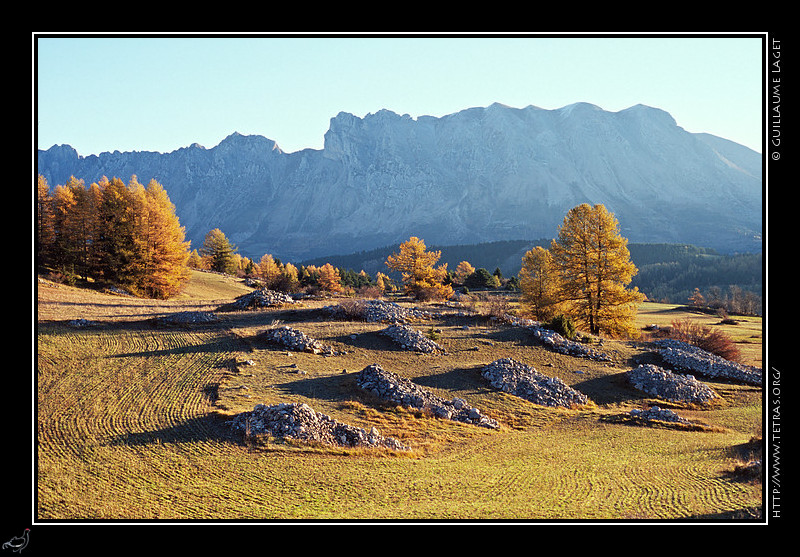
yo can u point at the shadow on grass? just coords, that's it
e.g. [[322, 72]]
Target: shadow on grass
[[609, 389], [220, 346], [205, 428], [464, 379], [332, 388]]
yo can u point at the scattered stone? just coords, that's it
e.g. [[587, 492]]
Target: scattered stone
[[187, 318], [555, 341], [82, 323], [261, 298], [655, 413], [565, 346], [411, 339], [300, 421], [524, 381], [687, 357], [667, 385], [391, 387], [297, 341], [377, 311]]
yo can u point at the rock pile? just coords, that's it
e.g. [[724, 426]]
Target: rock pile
[[687, 357], [260, 299], [378, 311], [82, 323], [187, 318], [523, 381], [297, 341], [300, 421], [565, 346], [402, 391], [666, 385], [655, 413], [411, 339]]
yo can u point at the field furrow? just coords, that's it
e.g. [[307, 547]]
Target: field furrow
[[131, 424]]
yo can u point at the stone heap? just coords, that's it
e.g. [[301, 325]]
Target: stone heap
[[187, 318], [296, 340], [402, 391], [411, 339], [565, 346], [687, 357], [300, 421], [655, 413], [261, 298], [523, 381], [380, 311], [82, 323], [664, 384]]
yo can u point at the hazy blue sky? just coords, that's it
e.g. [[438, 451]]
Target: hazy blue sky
[[161, 93]]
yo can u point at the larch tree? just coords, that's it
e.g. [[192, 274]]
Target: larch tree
[[539, 284], [118, 247], [329, 278], [463, 270], [594, 270], [269, 270], [65, 247], [44, 221], [166, 250], [416, 267]]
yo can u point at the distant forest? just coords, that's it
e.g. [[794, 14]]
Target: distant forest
[[667, 272]]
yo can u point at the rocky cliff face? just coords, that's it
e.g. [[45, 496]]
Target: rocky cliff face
[[478, 175]]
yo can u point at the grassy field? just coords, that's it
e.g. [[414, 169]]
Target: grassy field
[[132, 423]]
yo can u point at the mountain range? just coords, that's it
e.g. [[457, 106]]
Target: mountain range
[[479, 175]]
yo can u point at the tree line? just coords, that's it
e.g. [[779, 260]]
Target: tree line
[[112, 233], [128, 235], [218, 253]]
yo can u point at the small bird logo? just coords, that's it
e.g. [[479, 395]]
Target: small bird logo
[[18, 543]]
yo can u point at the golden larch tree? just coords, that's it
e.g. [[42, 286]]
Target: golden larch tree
[[269, 270], [166, 250], [463, 270], [539, 283], [329, 278], [416, 266], [594, 269]]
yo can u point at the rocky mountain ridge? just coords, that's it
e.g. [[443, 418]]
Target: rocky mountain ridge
[[478, 175]]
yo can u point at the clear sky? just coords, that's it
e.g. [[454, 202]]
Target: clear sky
[[105, 93]]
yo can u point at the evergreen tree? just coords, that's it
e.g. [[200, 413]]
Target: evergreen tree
[[218, 251]]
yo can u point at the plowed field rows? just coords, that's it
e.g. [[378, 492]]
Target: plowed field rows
[[130, 426]]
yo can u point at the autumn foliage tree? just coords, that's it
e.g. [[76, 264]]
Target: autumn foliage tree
[[329, 278], [594, 269], [416, 267], [538, 281], [125, 235], [584, 274]]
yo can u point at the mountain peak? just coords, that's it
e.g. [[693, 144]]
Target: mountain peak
[[478, 175], [237, 140]]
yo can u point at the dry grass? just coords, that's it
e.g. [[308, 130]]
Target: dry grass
[[131, 424]]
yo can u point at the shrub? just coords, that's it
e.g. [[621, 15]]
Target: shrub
[[715, 342], [564, 326]]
